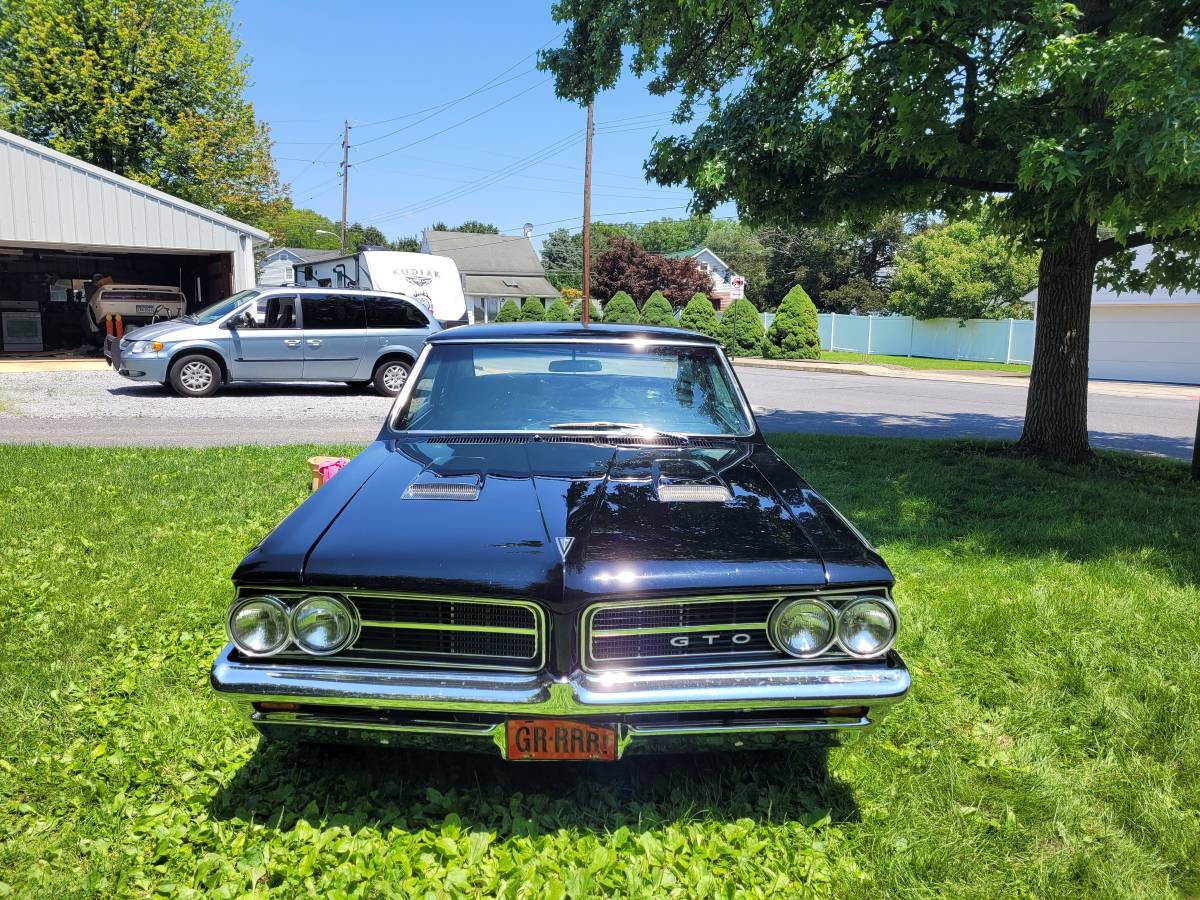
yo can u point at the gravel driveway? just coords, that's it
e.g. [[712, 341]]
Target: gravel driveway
[[101, 408]]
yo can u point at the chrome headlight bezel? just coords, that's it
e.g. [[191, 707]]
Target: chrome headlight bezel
[[887, 606], [271, 601], [352, 631], [781, 608]]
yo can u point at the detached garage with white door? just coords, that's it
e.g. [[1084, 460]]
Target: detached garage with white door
[[68, 228], [1144, 336]]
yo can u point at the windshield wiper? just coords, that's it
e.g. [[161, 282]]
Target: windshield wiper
[[619, 426]]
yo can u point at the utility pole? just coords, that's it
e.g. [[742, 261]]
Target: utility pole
[[345, 175], [587, 223]]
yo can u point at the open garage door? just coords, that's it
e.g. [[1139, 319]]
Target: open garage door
[[44, 291]]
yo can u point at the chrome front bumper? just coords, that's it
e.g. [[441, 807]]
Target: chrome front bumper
[[654, 711]]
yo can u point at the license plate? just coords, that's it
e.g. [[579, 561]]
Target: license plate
[[537, 739], [144, 309]]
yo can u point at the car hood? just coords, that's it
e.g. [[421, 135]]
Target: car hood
[[564, 521], [159, 330]]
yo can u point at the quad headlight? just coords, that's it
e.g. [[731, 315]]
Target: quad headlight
[[258, 626], [808, 626], [866, 626], [804, 627], [323, 625]]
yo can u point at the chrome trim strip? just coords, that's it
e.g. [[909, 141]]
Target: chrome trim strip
[[667, 629], [540, 632], [820, 724], [871, 684]]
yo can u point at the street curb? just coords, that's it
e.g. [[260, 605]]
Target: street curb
[[1110, 388]]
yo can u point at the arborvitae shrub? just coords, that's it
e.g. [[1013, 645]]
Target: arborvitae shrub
[[509, 311], [594, 314], [699, 315], [532, 310], [620, 310], [558, 311], [742, 331], [657, 310], [793, 334]]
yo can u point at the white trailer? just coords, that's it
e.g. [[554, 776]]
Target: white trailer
[[433, 281]]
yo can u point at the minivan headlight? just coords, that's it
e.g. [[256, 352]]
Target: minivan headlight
[[323, 625], [258, 626], [146, 347], [803, 627], [866, 626]]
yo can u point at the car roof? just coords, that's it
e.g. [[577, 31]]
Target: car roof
[[296, 289], [559, 331]]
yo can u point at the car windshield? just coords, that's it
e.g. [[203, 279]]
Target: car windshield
[[568, 387], [214, 311]]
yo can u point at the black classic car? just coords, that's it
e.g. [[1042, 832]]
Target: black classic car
[[567, 542]]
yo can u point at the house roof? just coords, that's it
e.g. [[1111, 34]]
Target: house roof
[[485, 254], [507, 286], [684, 254], [307, 255], [54, 198]]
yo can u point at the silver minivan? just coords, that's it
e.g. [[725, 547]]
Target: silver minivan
[[281, 334]]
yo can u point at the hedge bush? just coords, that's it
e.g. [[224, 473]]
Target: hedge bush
[[657, 310], [509, 311], [532, 310], [700, 315], [570, 293], [742, 330], [621, 310], [793, 334], [595, 315], [558, 311]]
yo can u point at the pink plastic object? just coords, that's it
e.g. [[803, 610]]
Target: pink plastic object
[[331, 468]]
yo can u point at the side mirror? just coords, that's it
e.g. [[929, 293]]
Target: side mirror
[[242, 321]]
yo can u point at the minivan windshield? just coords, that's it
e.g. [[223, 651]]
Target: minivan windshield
[[215, 311], [564, 387]]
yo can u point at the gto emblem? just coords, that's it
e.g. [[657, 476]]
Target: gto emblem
[[564, 546], [685, 640]]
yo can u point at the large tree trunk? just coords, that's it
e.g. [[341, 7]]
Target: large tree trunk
[[1056, 410]]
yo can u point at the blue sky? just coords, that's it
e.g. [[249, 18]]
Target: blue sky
[[517, 155]]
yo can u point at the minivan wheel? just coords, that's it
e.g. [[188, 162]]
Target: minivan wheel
[[390, 376], [195, 376]]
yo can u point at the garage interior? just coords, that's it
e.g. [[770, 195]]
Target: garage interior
[[44, 290]]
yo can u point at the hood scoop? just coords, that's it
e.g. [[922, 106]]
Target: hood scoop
[[693, 493], [689, 480], [431, 487]]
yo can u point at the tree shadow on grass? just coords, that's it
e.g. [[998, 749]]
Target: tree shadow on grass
[[382, 788]]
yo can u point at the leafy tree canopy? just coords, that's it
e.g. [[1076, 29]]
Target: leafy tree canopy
[[562, 258], [625, 266], [292, 227], [472, 226], [149, 89], [963, 271], [1076, 122]]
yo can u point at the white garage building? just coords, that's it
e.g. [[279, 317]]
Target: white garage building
[[63, 221], [1144, 336]]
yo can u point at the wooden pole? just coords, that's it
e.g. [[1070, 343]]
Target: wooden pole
[[345, 175], [587, 223]]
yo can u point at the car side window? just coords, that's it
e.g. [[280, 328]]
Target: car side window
[[394, 312], [333, 311], [280, 313]]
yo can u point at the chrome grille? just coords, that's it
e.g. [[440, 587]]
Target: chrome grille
[[669, 633]]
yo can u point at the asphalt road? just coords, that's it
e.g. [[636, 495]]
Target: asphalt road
[[99, 408]]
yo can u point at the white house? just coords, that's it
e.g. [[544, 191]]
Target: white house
[[493, 267], [276, 266], [727, 285], [1144, 336]]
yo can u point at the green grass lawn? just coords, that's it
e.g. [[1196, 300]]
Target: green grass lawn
[[1049, 746], [919, 362]]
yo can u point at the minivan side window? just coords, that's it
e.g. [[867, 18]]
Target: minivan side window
[[393, 312], [332, 311]]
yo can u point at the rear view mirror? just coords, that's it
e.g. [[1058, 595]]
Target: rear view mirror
[[575, 365]]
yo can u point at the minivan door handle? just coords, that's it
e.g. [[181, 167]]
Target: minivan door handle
[[293, 343], [314, 343]]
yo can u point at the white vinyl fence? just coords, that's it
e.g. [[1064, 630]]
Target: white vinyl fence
[[981, 340]]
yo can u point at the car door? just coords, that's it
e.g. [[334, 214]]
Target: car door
[[272, 351], [334, 335], [394, 323]]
